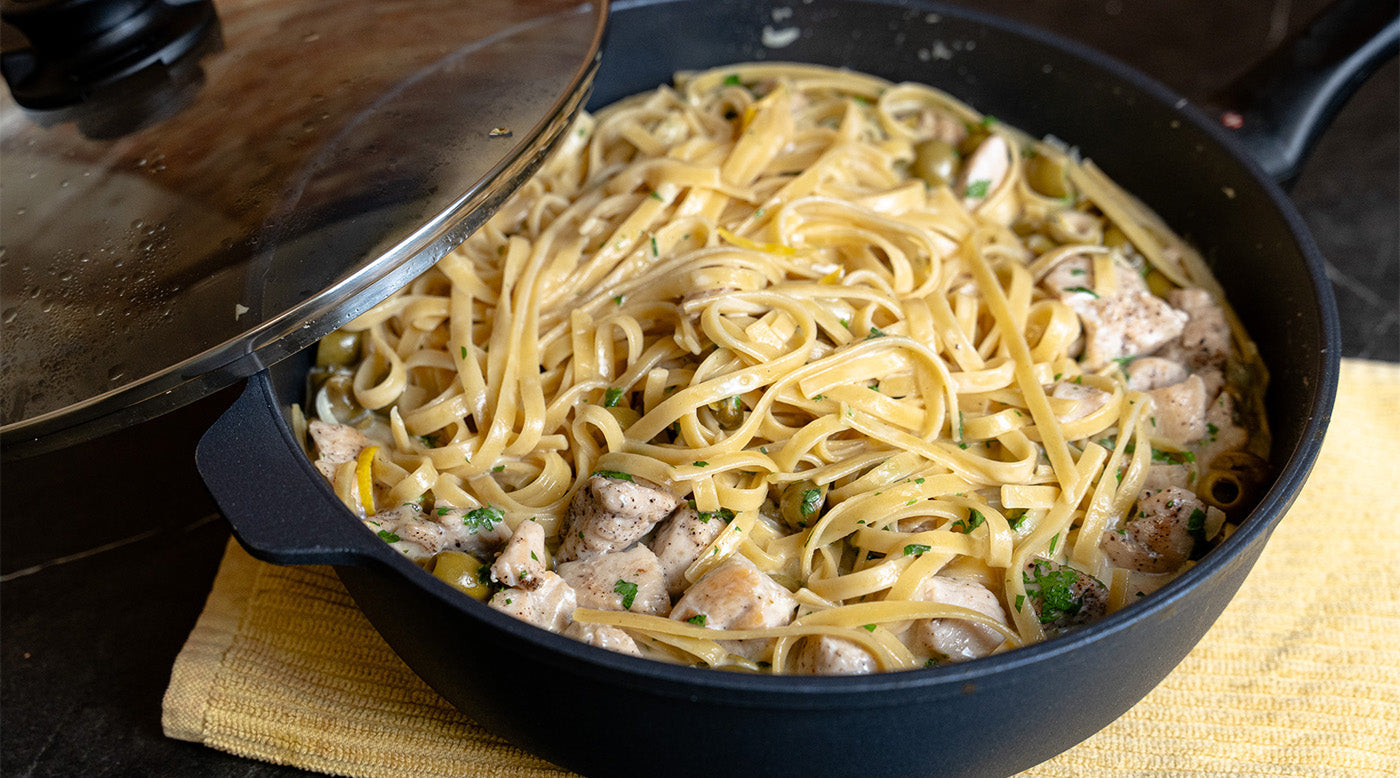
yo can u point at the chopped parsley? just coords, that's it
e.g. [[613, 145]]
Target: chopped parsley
[[1084, 289], [618, 474], [868, 627], [483, 518], [977, 188], [811, 500], [918, 480], [1016, 521], [611, 397], [874, 333], [443, 511], [464, 352], [698, 619], [628, 590], [974, 520], [700, 463], [732, 80], [1053, 590], [388, 536], [498, 468], [617, 300], [915, 549], [657, 196], [654, 252], [1196, 526]]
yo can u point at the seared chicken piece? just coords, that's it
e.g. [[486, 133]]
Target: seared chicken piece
[[524, 559], [956, 639], [625, 580], [1223, 432], [335, 444], [1158, 538], [1127, 322], [604, 636], [549, 605], [827, 655], [409, 532], [984, 171], [1205, 340], [420, 536], [737, 595], [679, 541], [1180, 413], [1148, 373], [610, 514], [1062, 597]]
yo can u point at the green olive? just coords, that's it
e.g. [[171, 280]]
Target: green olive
[[463, 572], [1048, 177], [340, 394], [801, 503], [338, 348], [729, 412], [936, 162]]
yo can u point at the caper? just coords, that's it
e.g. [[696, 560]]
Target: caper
[[463, 572], [936, 162], [729, 412], [338, 348], [1047, 176], [801, 503]]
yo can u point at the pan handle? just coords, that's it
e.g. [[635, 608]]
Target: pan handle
[[287, 514], [1280, 107]]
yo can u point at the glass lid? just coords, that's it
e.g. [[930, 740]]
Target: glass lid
[[187, 203]]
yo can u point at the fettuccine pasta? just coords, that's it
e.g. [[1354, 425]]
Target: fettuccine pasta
[[789, 368]]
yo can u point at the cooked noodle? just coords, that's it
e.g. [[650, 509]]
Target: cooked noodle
[[740, 287]]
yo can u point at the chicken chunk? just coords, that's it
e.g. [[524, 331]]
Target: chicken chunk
[[737, 595], [1063, 597], [956, 639], [985, 170], [524, 559], [481, 532], [1148, 373], [409, 532], [550, 605], [623, 580], [1180, 411], [335, 445], [1223, 432], [1205, 340], [610, 514], [1127, 322], [827, 655], [604, 636], [420, 536], [1160, 536], [680, 540]]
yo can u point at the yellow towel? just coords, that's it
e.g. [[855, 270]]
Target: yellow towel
[[1300, 676]]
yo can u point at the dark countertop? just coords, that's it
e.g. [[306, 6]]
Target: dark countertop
[[101, 579]]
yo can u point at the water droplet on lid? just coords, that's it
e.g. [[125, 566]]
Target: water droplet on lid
[[117, 371]]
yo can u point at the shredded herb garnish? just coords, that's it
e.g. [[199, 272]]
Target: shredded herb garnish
[[628, 590], [618, 474]]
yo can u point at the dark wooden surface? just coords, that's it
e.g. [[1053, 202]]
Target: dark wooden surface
[[108, 551]]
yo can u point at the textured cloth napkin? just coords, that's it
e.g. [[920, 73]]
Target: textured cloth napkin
[[1300, 676]]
